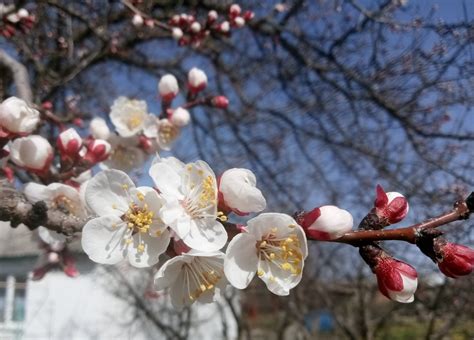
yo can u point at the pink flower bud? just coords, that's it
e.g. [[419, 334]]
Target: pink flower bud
[[197, 80], [212, 16], [168, 87], [22, 13], [33, 153], [180, 117], [239, 22], [137, 20], [391, 206], [69, 142], [176, 33], [53, 257], [457, 260], [195, 27], [69, 265], [220, 102], [99, 129], [175, 20], [397, 280], [224, 27], [248, 15], [98, 150], [326, 223], [17, 117], [234, 10]]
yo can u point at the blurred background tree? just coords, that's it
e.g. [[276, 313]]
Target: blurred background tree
[[327, 99]]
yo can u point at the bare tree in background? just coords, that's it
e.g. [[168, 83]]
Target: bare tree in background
[[328, 98]]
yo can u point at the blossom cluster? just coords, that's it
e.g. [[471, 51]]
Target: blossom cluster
[[13, 19], [188, 30]]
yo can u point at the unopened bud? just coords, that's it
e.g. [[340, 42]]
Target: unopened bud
[[397, 280], [137, 20], [220, 102], [176, 33], [23, 13], [455, 260], [98, 150], [180, 117], [390, 206], [239, 22], [197, 80], [168, 87], [98, 128], [326, 223], [234, 10], [248, 15], [69, 142], [212, 16], [224, 27], [195, 27]]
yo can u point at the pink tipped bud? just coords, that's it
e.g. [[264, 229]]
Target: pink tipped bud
[[98, 150], [47, 105], [248, 15], [180, 117], [234, 10], [69, 265], [239, 22], [168, 87], [197, 80], [326, 223], [456, 260], [212, 16], [224, 27], [33, 153], [23, 13], [175, 20], [69, 142], [220, 102], [137, 20], [391, 206], [195, 27], [53, 257], [176, 33], [397, 280]]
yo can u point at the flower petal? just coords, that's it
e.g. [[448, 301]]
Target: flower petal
[[166, 178], [102, 239], [206, 235], [35, 192], [154, 247], [107, 192], [241, 260]]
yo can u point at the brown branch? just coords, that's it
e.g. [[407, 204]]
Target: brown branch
[[20, 76], [461, 211]]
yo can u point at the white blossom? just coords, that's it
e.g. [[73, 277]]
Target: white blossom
[[192, 277], [128, 224], [125, 154], [57, 196], [99, 129], [128, 116], [190, 192], [163, 131], [239, 191], [274, 247], [32, 152], [17, 116]]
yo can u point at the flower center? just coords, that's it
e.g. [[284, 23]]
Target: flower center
[[201, 276], [64, 204], [135, 120], [201, 196], [167, 132], [285, 253], [139, 220]]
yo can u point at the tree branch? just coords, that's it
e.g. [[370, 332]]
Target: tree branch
[[20, 76]]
